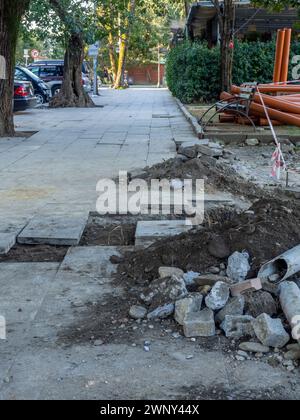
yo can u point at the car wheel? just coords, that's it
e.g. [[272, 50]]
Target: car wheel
[[55, 90], [40, 99]]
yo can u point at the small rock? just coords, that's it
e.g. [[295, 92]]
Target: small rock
[[115, 259], [238, 326], [190, 357], [165, 291], [292, 355], [214, 270], [200, 324], [240, 358], [137, 312], [254, 347], [183, 307], [235, 306], [189, 277], [162, 312], [218, 296], [242, 354], [170, 271], [238, 266], [218, 248], [252, 142], [270, 332]]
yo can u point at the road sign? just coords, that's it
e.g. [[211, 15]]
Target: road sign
[[94, 49], [35, 54], [26, 53]]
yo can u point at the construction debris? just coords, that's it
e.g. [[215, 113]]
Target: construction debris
[[270, 332], [290, 303]]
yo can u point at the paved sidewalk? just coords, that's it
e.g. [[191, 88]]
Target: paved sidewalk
[[74, 148]]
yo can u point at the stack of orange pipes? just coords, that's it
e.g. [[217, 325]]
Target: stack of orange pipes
[[280, 98]]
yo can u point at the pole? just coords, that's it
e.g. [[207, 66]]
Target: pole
[[95, 58], [158, 70]]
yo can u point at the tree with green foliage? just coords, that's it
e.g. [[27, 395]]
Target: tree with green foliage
[[11, 12]]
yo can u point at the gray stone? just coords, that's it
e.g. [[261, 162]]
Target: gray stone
[[162, 312], [7, 241], [137, 312], [200, 324], [252, 142], [183, 307], [238, 326], [181, 158], [209, 161], [218, 248], [270, 332], [165, 291], [238, 266], [254, 347], [235, 306], [208, 151], [214, 270], [292, 355], [260, 303], [218, 296], [170, 271], [147, 232], [189, 151]]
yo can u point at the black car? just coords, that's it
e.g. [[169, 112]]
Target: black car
[[41, 90], [23, 96]]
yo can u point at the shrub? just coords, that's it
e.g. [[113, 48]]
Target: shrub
[[193, 69]]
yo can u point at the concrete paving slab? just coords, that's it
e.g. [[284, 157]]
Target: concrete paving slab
[[147, 232]]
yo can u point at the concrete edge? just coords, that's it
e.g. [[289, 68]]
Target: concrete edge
[[191, 119]]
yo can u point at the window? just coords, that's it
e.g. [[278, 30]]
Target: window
[[35, 70], [20, 75], [49, 71]]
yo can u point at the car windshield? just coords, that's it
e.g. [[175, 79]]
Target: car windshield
[[28, 73]]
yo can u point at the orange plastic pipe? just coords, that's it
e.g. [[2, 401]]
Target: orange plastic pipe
[[279, 55], [271, 89], [275, 115], [286, 56], [277, 103]]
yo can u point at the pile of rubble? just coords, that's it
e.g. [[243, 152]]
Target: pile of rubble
[[222, 301]]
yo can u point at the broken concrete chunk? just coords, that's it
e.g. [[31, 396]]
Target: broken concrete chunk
[[270, 332], [189, 277], [184, 307], [235, 306], [165, 291], [260, 303], [190, 152], [239, 288], [254, 348], [162, 312], [170, 271], [218, 296], [290, 303], [209, 151], [238, 326], [137, 312], [200, 324], [238, 266]]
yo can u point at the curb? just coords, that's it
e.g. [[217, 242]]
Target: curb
[[191, 119]]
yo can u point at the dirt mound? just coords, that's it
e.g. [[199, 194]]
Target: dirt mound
[[219, 175], [269, 228]]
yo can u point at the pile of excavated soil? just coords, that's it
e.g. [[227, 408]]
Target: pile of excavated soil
[[221, 176], [269, 228]]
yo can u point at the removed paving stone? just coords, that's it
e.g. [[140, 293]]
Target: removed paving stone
[[238, 266], [148, 232], [200, 324], [218, 296], [184, 307], [270, 332], [165, 291], [235, 307], [238, 326], [170, 271], [7, 241], [254, 348], [162, 312], [137, 312], [55, 228]]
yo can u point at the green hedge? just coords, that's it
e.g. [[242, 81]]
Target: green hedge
[[193, 69]]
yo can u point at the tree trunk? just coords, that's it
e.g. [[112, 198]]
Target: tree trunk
[[226, 18], [124, 38], [112, 57], [72, 93], [11, 12]]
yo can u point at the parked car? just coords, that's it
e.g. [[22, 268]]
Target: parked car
[[41, 90], [52, 73], [23, 96]]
